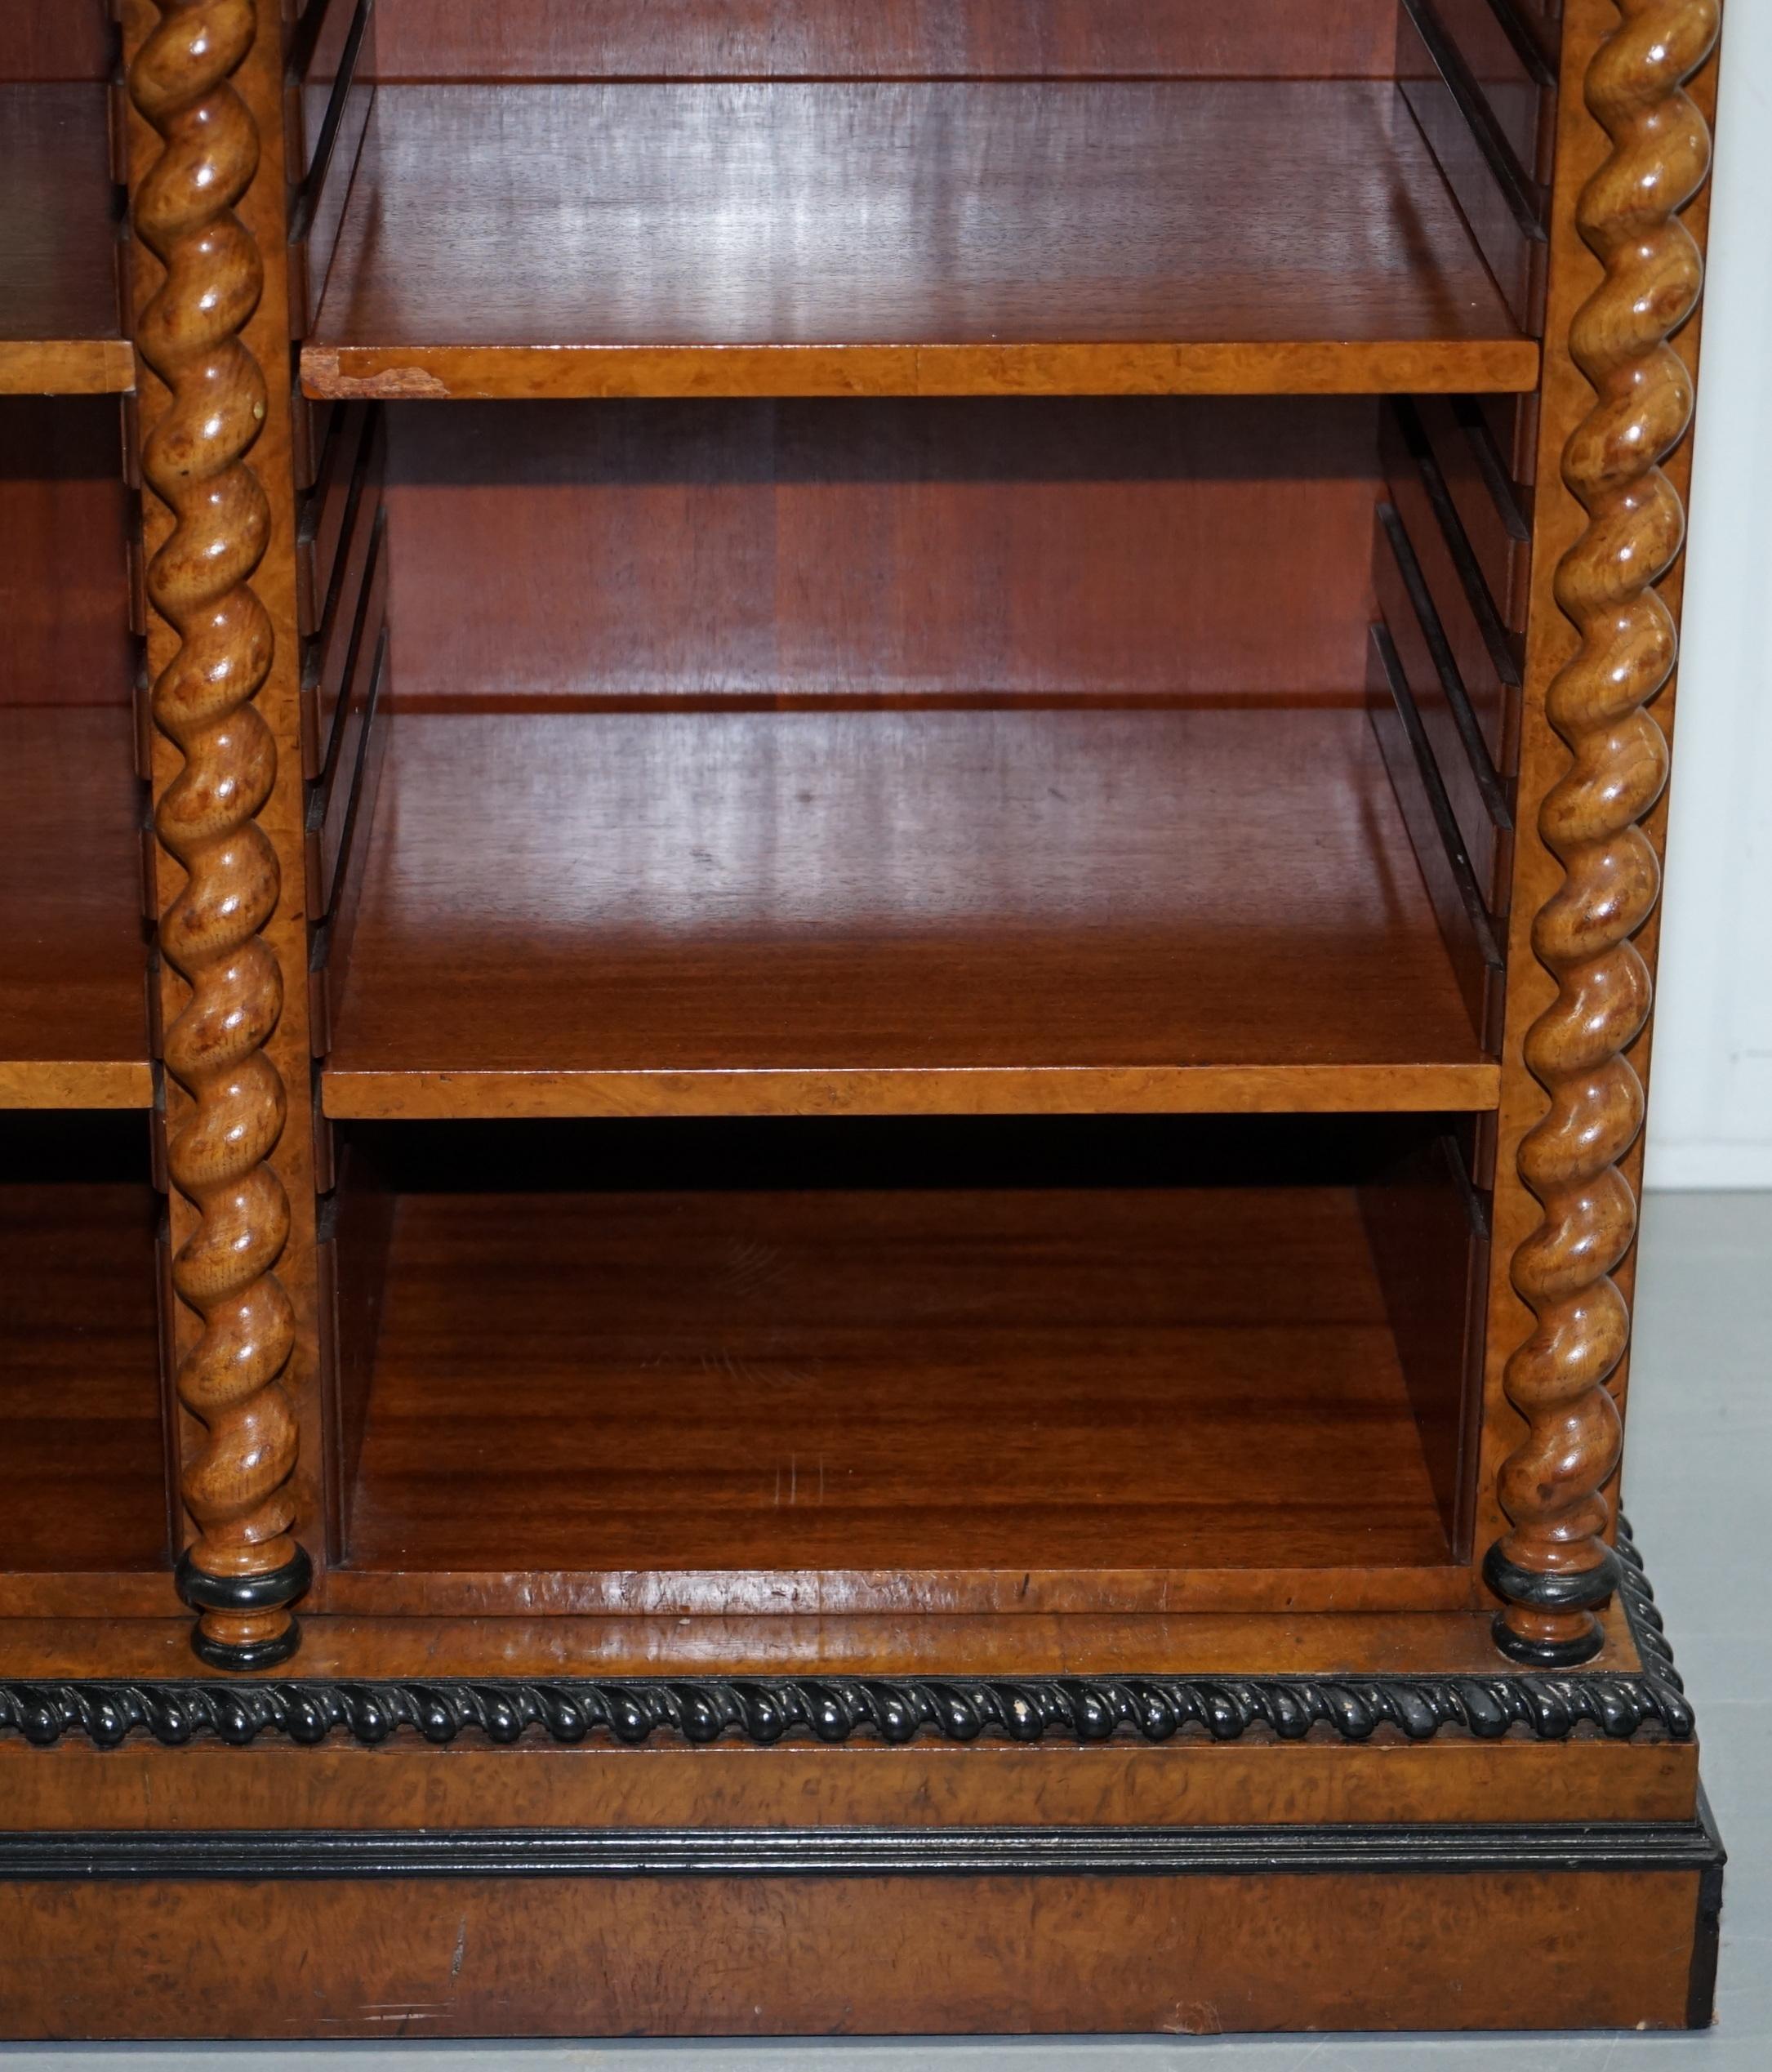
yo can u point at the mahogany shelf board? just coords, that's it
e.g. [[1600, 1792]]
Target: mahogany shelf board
[[60, 331], [73, 1007], [880, 913], [82, 1456], [872, 238], [933, 1400]]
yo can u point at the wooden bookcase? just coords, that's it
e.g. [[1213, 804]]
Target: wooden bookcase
[[827, 897]]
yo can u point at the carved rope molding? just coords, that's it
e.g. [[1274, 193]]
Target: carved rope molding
[[892, 1708], [244, 1568], [1554, 1567]]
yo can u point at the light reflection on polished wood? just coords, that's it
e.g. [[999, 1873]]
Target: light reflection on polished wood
[[877, 912], [193, 457], [855, 238], [1553, 1565]]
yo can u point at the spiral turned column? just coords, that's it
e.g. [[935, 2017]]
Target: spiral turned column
[[1554, 1568], [244, 1569]]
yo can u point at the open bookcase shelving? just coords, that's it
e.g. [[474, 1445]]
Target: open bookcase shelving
[[874, 1022]]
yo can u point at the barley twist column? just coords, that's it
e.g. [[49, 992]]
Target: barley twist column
[[245, 1569], [1554, 1568]]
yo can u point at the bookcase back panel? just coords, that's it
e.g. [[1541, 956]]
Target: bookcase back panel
[[64, 555], [786, 39], [613, 552], [67, 39]]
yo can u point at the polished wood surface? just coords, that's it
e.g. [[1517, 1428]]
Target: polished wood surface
[[535, 39], [66, 519], [973, 1398], [60, 328], [39, 1642], [788, 913], [843, 238], [1207, 1784], [1552, 1564], [73, 957], [82, 1448], [211, 647], [964, 551], [1177, 1956]]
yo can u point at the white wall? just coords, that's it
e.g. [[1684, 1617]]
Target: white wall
[[1712, 1114]]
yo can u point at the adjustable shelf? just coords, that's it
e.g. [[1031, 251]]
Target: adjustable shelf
[[61, 332], [714, 912], [1007, 237]]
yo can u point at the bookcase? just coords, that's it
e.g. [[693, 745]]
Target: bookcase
[[827, 914]]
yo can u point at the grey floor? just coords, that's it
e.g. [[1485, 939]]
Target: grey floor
[[1700, 1467]]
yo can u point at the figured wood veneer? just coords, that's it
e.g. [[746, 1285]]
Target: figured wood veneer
[[721, 913], [849, 239]]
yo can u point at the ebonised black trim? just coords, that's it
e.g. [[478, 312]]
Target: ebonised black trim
[[1700, 1990], [262, 1593], [863, 1852], [1525, 198], [763, 1710], [1542, 1591]]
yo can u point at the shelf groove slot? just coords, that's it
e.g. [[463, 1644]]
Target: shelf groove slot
[[1470, 730], [1525, 198], [1471, 578], [1440, 804]]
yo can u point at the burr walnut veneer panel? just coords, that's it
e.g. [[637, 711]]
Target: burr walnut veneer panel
[[846, 238]]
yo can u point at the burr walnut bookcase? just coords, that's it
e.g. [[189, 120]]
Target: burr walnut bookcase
[[827, 881]]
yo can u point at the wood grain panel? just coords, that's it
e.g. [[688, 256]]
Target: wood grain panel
[[60, 326], [64, 575], [1204, 1783], [73, 956], [851, 1956], [903, 240], [934, 552], [722, 913], [538, 39], [83, 1466]]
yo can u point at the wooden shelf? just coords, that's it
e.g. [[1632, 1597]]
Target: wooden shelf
[[59, 332], [973, 1399], [699, 913], [867, 239], [73, 1010]]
